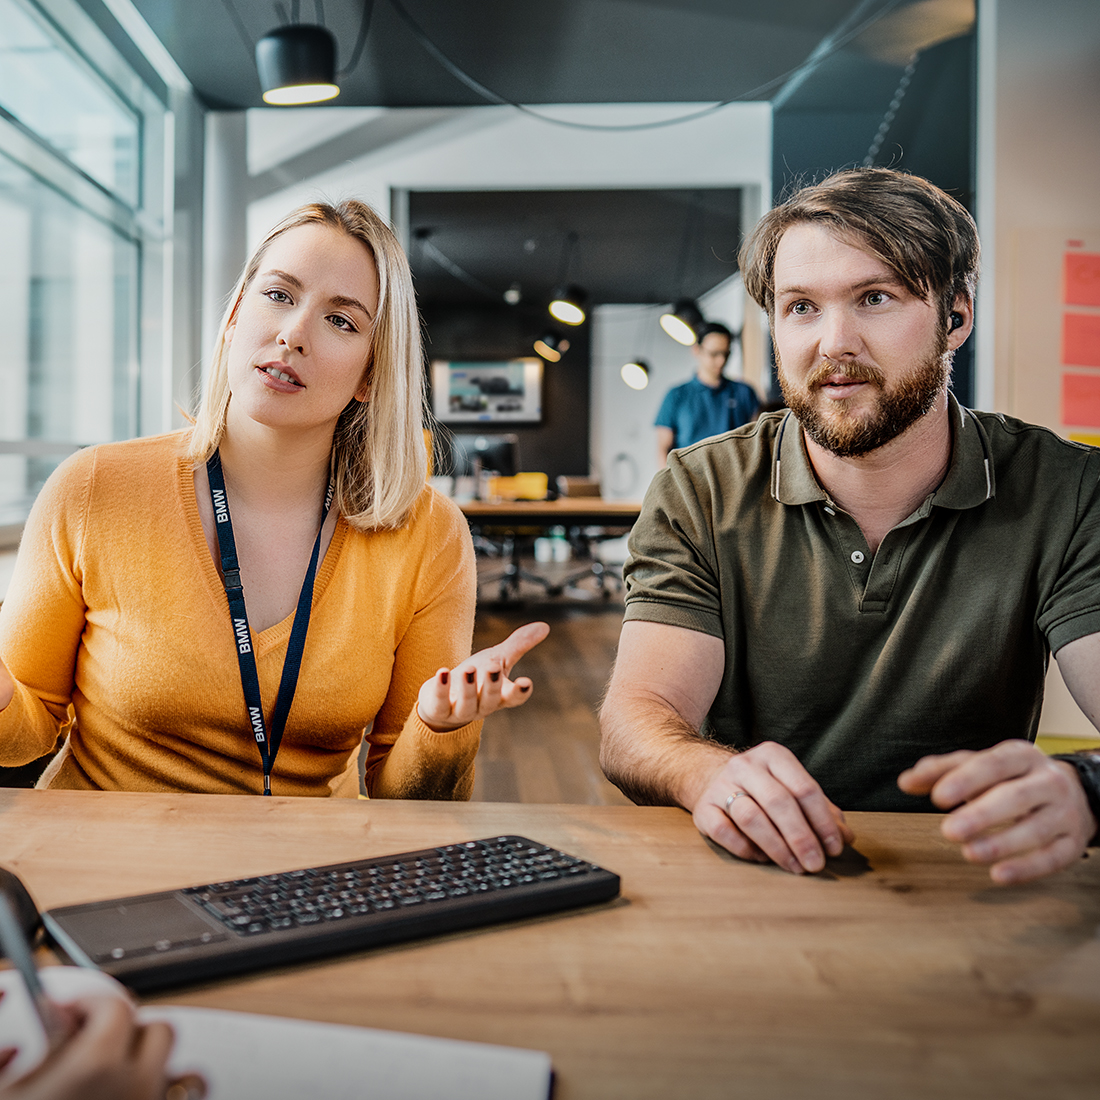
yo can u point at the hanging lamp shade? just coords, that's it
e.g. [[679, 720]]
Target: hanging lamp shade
[[635, 374], [569, 305], [551, 346], [682, 321], [297, 64]]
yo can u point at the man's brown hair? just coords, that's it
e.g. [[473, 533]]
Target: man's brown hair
[[921, 233]]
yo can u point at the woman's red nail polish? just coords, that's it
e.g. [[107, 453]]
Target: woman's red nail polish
[[525, 687], [471, 676], [444, 678], [494, 676]]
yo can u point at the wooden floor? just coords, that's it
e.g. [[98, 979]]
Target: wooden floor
[[548, 749]]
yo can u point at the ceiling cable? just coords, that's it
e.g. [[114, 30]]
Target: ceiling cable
[[480, 89], [687, 244], [236, 20], [568, 250], [361, 38], [448, 265], [891, 111]]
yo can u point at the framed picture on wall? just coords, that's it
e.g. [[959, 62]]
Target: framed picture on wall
[[502, 392]]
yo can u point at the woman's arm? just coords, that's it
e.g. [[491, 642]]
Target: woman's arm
[[432, 695], [406, 758], [43, 618]]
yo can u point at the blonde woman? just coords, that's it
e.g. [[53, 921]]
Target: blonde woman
[[227, 608]]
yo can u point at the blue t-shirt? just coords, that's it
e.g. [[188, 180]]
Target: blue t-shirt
[[694, 411]]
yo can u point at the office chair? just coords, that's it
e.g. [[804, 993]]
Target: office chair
[[586, 541]]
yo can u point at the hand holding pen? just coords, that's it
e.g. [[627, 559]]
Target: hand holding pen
[[97, 1050]]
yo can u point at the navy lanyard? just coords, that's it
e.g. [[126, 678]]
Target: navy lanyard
[[231, 576]]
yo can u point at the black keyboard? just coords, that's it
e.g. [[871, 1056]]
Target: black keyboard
[[154, 940]]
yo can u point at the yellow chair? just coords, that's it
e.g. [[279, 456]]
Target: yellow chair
[[524, 486], [529, 486]]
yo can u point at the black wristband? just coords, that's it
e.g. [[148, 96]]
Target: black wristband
[[1088, 771]]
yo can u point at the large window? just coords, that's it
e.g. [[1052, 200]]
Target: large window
[[81, 231], [55, 93]]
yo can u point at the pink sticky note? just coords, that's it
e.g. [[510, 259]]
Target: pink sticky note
[[1081, 399], [1082, 274], [1081, 339]]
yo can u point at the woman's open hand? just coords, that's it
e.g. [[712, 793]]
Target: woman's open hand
[[481, 684]]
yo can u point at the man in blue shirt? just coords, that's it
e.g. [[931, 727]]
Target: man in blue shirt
[[710, 403]]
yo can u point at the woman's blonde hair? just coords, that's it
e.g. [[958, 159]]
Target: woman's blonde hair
[[379, 461]]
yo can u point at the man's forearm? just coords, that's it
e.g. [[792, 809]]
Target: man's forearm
[[652, 754]]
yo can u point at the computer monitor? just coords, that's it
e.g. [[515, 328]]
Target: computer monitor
[[475, 454]]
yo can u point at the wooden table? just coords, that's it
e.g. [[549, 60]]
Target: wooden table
[[899, 972], [565, 511]]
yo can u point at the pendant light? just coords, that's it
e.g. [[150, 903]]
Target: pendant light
[[682, 321], [569, 303], [297, 64], [635, 374], [551, 346]]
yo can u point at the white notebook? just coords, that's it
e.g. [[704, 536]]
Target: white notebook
[[251, 1057]]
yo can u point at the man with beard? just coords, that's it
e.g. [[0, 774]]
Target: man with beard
[[851, 604]]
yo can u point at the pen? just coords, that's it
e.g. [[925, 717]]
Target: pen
[[15, 946]]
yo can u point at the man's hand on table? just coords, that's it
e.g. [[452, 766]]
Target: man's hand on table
[[763, 805], [1011, 807]]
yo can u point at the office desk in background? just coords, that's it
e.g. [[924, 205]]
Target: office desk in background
[[563, 512], [901, 972]]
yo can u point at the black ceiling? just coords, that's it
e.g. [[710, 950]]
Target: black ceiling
[[541, 51], [839, 57], [631, 246]]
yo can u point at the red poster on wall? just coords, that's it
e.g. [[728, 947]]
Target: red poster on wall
[[1081, 339], [1082, 279], [1081, 400]]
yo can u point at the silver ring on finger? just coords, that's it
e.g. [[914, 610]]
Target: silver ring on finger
[[731, 798]]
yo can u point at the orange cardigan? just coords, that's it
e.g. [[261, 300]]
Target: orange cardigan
[[116, 614]]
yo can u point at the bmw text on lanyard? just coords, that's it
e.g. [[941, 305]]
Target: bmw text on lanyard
[[231, 576]]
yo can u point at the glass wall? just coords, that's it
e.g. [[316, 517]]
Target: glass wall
[[56, 94], [81, 233]]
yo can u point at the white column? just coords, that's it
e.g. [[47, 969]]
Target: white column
[[224, 223]]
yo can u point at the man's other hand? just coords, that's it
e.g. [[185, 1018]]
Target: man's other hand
[[763, 805], [1012, 807]]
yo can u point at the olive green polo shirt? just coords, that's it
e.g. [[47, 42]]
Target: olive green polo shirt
[[862, 663]]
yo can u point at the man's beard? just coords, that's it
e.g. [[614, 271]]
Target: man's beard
[[897, 409]]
